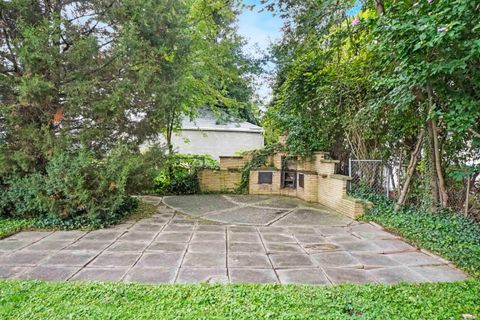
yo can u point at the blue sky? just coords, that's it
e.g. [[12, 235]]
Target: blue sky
[[260, 29]]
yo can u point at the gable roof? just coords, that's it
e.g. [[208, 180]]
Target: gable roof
[[208, 121]]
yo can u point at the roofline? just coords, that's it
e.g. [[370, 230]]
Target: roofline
[[253, 130]]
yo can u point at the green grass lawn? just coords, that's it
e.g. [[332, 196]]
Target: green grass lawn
[[42, 300]]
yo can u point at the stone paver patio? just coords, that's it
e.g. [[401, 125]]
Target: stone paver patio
[[236, 239]]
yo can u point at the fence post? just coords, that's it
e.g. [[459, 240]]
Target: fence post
[[350, 167]]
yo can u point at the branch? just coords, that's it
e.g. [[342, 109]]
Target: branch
[[475, 133]]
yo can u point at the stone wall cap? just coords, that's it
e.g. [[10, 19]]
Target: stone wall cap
[[231, 157], [306, 172], [340, 177], [266, 169], [329, 161]]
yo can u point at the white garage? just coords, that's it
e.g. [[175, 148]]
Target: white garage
[[216, 137]]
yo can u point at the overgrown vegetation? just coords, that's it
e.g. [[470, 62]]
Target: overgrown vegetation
[[132, 209], [179, 174], [258, 159], [84, 84], [380, 79], [120, 301], [9, 227], [453, 236]]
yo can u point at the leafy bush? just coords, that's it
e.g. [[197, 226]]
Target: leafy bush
[[76, 189], [145, 168], [179, 174], [449, 234]]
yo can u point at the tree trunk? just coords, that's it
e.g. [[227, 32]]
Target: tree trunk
[[436, 149], [435, 200], [380, 7], [410, 171]]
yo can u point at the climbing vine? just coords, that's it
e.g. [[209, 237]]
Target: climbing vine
[[259, 158]]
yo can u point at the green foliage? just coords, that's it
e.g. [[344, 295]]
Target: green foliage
[[258, 159], [455, 237], [98, 75], [76, 188], [21, 299], [179, 174], [9, 227], [145, 168]]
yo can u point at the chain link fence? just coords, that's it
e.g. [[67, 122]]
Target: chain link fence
[[371, 175], [379, 177]]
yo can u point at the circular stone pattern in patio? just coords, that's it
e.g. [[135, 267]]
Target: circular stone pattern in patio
[[255, 210]]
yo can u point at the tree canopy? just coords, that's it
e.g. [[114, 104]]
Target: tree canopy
[[371, 84]]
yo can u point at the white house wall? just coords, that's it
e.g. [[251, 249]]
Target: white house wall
[[216, 143]]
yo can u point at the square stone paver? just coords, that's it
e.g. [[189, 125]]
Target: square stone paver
[[244, 237], [100, 274], [10, 271], [273, 230], [396, 274], [49, 245], [283, 260], [416, 258], [88, 245], [335, 259], [249, 260], [151, 228], [239, 247], [377, 235], [31, 236], [273, 247], [331, 231], [70, 258], [49, 273], [208, 236], [206, 275], [138, 236], [343, 238], [374, 259], [167, 247], [359, 245], [173, 237], [302, 276], [311, 238], [65, 235], [151, 275], [207, 246], [12, 245], [252, 276], [241, 229], [179, 228], [347, 275], [115, 259], [160, 260], [387, 246], [301, 230], [23, 258], [440, 273], [283, 238], [103, 235], [205, 260], [127, 246], [210, 228]]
